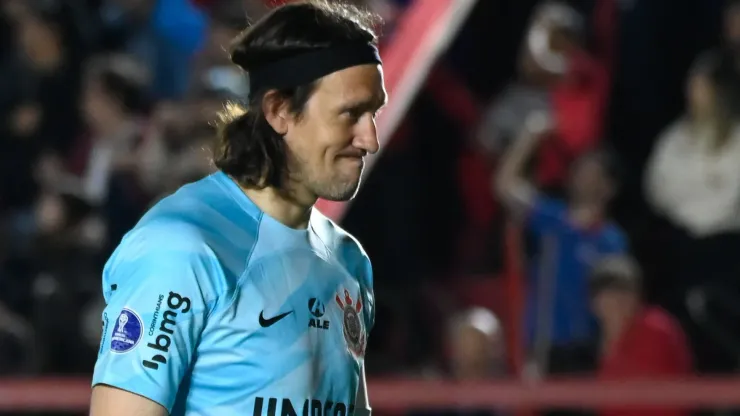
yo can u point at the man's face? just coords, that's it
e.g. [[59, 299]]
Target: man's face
[[589, 181], [614, 307], [470, 353], [606, 304], [336, 130], [475, 354]]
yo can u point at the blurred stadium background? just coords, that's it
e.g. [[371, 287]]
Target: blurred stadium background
[[105, 106]]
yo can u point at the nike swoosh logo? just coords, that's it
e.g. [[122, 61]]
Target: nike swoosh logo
[[264, 323]]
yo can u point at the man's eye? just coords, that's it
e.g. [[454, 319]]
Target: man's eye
[[353, 115]]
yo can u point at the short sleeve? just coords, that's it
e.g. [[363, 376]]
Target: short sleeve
[[362, 269], [158, 298], [368, 292], [545, 214]]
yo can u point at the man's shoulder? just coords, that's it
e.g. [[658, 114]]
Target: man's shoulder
[[204, 203], [655, 326], [203, 211], [658, 321], [198, 222]]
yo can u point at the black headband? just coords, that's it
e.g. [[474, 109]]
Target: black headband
[[309, 66]]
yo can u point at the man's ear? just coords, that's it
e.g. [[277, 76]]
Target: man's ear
[[276, 111]]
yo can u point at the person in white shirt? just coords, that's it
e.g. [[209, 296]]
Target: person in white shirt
[[693, 177], [693, 181]]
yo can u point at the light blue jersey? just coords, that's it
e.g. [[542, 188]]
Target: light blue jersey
[[215, 308]]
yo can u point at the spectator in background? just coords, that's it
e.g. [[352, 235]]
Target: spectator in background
[[638, 341], [578, 98], [530, 92], [557, 75], [477, 348], [214, 78], [17, 349], [572, 235], [477, 352], [114, 171], [39, 80], [693, 180], [163, 34], [212, 69]]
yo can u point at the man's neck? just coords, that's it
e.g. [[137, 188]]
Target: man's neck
[[281, 206]]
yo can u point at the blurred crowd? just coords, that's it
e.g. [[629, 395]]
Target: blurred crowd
[[691, 181], [106, 106]]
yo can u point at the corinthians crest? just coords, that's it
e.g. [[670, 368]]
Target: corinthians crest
[[354, 329]]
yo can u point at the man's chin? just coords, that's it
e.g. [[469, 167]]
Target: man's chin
[[340, 197], [342, 194]]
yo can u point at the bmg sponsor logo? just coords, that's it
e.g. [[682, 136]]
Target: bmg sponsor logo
[[275, 406], [176, 305]]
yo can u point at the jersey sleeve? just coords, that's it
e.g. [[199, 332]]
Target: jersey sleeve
[[367, 284], [158, 296]]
